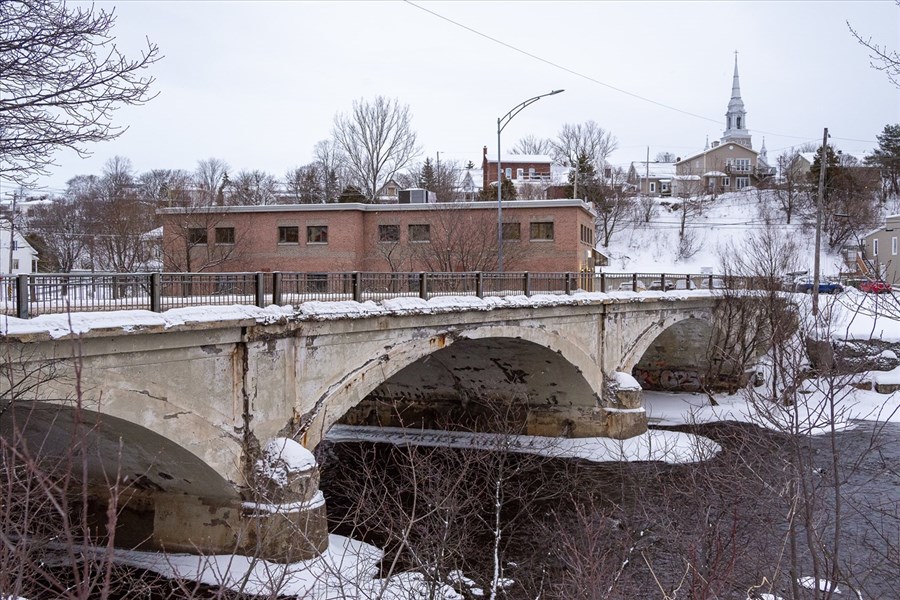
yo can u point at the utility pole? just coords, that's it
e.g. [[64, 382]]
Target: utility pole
[[12, 232], [820, 201], [647, 165]]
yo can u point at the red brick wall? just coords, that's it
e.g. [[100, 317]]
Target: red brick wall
[[353, 238]]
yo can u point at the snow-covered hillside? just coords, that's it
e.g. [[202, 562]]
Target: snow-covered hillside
[[729, 219]]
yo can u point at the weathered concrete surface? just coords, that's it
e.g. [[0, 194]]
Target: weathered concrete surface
[[194, 403]]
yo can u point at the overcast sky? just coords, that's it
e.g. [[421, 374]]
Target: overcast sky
[[258, 83]]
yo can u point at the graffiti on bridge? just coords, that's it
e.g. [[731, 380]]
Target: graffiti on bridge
[[669, 379]]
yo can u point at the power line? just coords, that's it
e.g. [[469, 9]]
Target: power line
[[602, 83]]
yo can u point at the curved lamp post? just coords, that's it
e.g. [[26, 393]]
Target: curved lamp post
[[502, 122]]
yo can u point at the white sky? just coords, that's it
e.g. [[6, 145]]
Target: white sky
[[258, 83]]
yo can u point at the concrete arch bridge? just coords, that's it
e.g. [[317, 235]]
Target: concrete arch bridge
[[183, 412]]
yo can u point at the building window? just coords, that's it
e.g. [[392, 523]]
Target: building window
[[391, 191], [388, 233], [289, 234], [224, 235], [520, 173], [738, 123], [542, 231], [15, 266], [652, 187], [587, 235], [15, 244], [317, 234], [664, 187], [741, 182], [197, 235], [726, 182], [530, 172], [419, 233], [512, 231], [874, 248], [742, 165], [509, 172], [894, 246]]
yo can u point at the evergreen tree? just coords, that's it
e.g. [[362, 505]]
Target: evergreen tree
[[587, 178], [831, 172], [427, 177], [351, 194], [887, 157], [470, 165], [508, 191]]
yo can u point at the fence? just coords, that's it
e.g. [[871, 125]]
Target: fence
[[29, 295]]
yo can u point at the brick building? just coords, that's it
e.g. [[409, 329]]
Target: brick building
[[519, 168], [552, 236]]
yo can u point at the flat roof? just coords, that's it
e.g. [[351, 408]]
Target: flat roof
[[358, 206]]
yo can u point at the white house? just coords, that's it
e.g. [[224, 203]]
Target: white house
[[24, 257]]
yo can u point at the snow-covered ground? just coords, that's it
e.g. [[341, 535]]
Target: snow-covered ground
[[729, 219]]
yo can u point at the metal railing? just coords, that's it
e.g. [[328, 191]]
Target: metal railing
[[30, 295]]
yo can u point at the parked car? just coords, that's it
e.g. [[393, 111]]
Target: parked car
[[717, 283], [805, 286], [657, 286], [875, 287], [627, 286]]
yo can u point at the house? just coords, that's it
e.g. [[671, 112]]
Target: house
[[878, 258], [547, 236], [24, 257], [531, 173], [389, 192], [470, 185], [724, 167], [652, 178]]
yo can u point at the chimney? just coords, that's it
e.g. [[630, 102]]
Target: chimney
[[485, 152]]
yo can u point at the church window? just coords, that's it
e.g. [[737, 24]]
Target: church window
[[738, 123]]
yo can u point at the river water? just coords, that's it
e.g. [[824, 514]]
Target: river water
[[570, 528]]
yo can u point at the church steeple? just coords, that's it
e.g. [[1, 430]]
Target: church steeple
[[736, 118]]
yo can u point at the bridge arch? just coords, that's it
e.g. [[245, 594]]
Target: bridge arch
[[569, 376], [144, 459], [636, 351]]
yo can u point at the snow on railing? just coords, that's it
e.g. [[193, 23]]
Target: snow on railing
[[29, 295]]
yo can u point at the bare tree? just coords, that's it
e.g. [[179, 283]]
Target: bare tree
[[377, 140], [165, 187], [305, 184], [58, 230], [531, 144], [611, 203], [63, 78], [461, 239], [881, 57], [583, 139], [120, 221], [792, 191], [210, 175], [330, 162], [199, 239], [255, 188]]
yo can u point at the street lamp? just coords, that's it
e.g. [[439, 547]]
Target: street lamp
[[502, 122]]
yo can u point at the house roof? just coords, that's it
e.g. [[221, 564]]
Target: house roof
[[656, 170], [715, 149], [521, 158]]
